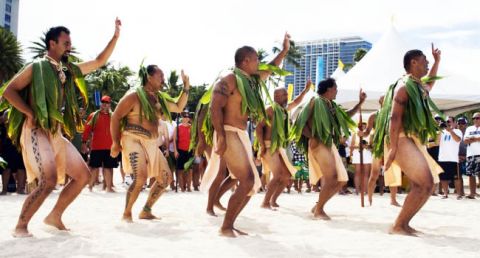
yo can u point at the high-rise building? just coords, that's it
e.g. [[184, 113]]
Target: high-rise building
[[320, 59], [9, 15]]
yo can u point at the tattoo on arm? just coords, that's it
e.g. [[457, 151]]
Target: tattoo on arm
[[222, 88]]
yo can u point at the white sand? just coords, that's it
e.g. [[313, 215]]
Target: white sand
[[451, 229]]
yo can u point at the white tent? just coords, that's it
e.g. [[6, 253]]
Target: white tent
[[338, 73], [383, 65]]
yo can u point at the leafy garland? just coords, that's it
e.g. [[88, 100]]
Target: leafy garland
[[280, 128], [203, 104], [250, 90], [417, 118], [329, 123], [45, 90], [147, 109]]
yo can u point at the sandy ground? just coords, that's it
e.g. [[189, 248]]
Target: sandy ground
[[451, 228]]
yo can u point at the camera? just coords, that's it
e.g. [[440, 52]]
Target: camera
[[443, 125]]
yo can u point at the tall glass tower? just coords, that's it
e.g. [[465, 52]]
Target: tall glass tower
[[9, 15], [320, 59]]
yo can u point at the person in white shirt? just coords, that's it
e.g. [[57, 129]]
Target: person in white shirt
[[450, 139], [472, 139]]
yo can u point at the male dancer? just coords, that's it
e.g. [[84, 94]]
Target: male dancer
[[38, 93], [273, 139], [141, 156], [235, 97]]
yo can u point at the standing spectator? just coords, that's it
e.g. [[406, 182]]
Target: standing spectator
[[472, 139], [171, 151], [450, 139], [14, 162], [301, 163], [181, 144], [97, 130], [360, 180], [462, 155]]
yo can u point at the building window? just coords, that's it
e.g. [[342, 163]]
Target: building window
[[9, 1], [8, 8], [7, 27], [7, 18]]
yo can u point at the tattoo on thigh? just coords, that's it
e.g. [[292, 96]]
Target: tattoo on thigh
[[41, 187]]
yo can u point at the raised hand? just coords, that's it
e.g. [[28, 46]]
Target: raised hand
[[286, 42], [186, 80], [362, 96], [118, 24], [436, 53]]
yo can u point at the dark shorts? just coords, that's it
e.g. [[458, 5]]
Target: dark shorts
[[473, 165], [102, 158], [450, 170], [183, 157]]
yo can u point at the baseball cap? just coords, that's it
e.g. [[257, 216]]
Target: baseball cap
[[106, 99]]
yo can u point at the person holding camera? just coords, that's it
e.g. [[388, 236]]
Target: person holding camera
[[450, 139]]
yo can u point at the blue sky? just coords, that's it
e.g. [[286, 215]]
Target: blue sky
[[201, 36]]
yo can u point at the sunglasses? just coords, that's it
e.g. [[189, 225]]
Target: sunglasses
[[475, 118]]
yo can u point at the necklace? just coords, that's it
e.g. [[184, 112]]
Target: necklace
[[59, 68]]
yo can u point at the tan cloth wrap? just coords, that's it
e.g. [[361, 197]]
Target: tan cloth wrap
[[40, 147], [393, 176], [283, 155], [315, 172], [214, 162], [141, 148]]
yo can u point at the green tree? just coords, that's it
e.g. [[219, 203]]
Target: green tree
[[359, 54], [109, 80], [10, 55], [39, 49], [294, 54], [196, 92]]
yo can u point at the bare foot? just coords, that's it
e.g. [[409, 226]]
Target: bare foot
[[219, 206], [395, 230], [227, 233], [211, 213], [110, 190], [240, 232], [275, 205], [54, 221], [147, 215], [21, 233], [21, 192], [127, 217], [321, 215], [313, 208], [3, 193], [266, 206], [412, 230], [395, 203], [90, 188], [370, 200]]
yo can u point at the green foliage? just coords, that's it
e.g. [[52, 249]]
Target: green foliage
[[359, 54], [417, 119], [329, 123], [109, 80], [10, 55]]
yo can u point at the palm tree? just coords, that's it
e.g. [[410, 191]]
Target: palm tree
[[109, 80], [294, 54], [173, 88], [39, 49], [359, 54], [10, 55]]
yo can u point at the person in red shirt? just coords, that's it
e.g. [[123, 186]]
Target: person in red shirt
[[181, 145], [97, 131]]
